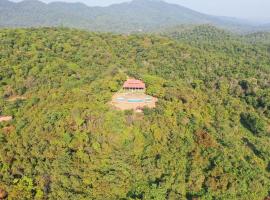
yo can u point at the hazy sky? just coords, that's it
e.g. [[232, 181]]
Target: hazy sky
[[247, 9]]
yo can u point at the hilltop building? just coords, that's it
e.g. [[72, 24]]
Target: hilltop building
[[133, 97], [134, 84]]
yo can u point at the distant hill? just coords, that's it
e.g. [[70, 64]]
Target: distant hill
[[210, 37], [135, 16], [266, 27]]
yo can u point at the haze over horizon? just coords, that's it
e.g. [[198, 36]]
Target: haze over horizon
[[257, 10]]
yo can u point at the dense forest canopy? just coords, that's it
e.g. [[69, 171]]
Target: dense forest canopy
[[208, 137]]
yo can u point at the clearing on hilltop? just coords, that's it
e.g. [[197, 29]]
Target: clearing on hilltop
[[132, 97]]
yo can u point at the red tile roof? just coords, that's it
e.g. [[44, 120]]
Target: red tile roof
[[133, 83]]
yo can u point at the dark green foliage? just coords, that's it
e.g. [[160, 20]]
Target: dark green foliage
[[66, 142], [254, 123]]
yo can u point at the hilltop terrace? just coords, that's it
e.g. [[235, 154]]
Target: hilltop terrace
[[133, 97]]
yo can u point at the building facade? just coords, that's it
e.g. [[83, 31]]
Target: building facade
[[134, 84]]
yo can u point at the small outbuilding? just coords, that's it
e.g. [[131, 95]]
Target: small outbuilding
[[5, 118]]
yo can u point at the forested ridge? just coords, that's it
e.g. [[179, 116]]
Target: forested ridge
[[208, 137], [126, 17]]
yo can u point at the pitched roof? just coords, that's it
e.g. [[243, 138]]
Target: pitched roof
[[133, 83]]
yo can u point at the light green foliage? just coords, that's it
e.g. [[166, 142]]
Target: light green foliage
[[154, 85], [208, 137]]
